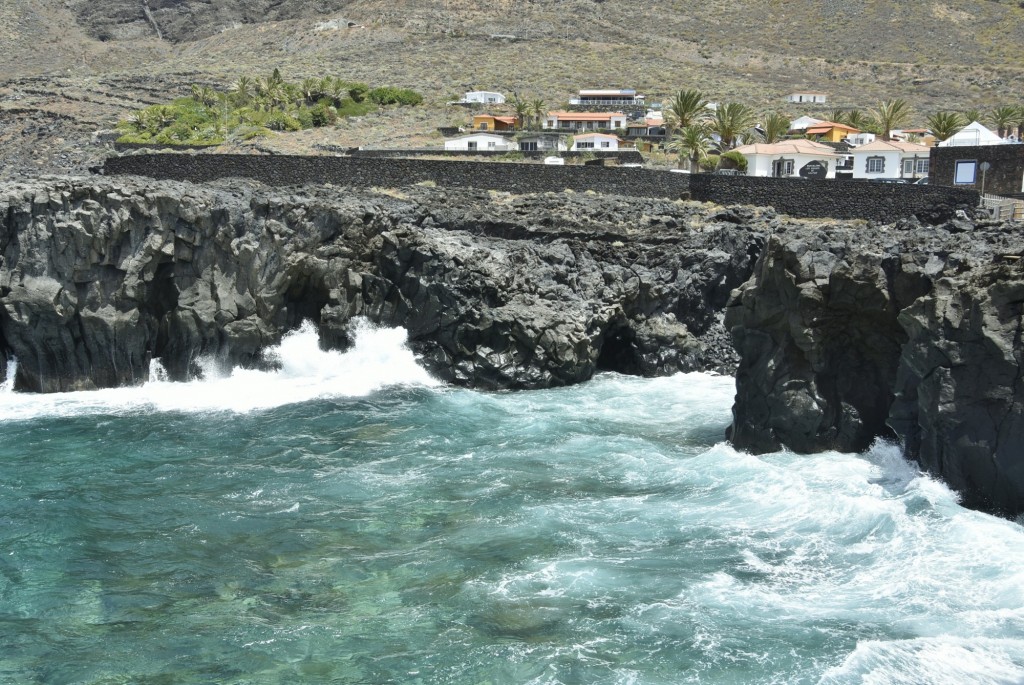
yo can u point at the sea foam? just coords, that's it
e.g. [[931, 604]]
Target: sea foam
[[378, 358]]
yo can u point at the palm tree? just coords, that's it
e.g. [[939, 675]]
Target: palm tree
[[856, 119], [731, 120], [1003, 119], [538, 108], [692, 143], [775, 127], [685, 108], [891, 114], [837, 116], [1019, 121], [521, 108], [242, 89], [972, 115], [943, 125]]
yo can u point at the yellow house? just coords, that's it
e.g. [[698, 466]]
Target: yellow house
[[489, 122], [830, 131]]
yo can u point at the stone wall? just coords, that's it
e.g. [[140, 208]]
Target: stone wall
[[1005, 176], [880, 202]]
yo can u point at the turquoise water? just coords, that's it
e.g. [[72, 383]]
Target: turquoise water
[[347, 520]]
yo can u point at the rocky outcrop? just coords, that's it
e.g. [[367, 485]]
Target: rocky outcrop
[[906, 332], [100, 276]]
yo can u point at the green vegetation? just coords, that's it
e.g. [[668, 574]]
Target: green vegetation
[[944, 125], [733, 160], [692, 143], [256, 107]]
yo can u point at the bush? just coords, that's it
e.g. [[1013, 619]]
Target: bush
[[709, 163], [732, 160], [395, 96]]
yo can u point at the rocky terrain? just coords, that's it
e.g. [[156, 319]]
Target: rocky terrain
[[844, 332], [99, 276], [904, 332]]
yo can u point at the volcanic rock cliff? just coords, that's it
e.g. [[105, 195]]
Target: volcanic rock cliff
[[844, 332], [100, 276], [905, 332]]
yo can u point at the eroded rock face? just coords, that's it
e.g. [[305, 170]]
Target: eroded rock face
[[99, 276], [907, 332]]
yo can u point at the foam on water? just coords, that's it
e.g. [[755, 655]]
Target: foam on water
[[601, 533], [12, 370], [379, 358]]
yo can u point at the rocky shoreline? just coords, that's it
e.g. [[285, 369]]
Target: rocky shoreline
[[839, 332], [905, 332], [496, 291]]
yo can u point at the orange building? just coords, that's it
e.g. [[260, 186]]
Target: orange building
[[489, 122]]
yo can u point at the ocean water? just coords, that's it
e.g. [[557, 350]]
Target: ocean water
[[349, 520]]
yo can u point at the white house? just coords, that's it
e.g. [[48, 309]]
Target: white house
[[862, 138], [611, 96], [595, 141], [585, 121], [481, 142], [542, 142], [486, 97], [802, 124], [973, 134], [796, 157], [890, 159], [807, 97]]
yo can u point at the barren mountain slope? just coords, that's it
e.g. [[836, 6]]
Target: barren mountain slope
[[75, 67]]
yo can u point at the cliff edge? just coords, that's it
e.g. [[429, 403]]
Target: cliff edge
[[905, 332], [100, 276]]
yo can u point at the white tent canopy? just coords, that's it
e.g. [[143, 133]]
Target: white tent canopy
[[973, 133]]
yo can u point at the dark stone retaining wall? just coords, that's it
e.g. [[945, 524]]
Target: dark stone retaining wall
[[1005, 177], [880, 202]]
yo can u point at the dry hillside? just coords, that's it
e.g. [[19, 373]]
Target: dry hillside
[[72, 67]]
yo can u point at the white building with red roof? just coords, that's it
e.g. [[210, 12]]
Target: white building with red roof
[[789, 158], [585, 121]]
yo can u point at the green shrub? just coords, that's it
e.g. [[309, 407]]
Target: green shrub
[[709, 163], [388, 95], [733, 160]]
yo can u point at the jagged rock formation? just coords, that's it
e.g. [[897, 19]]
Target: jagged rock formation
[[907, 332], [100, 276]]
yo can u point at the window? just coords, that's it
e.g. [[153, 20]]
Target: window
[[922, 166], [490, 144], [875, 165], [908, 167], [483, 126], [471, 145], [530, 146], [782, 167], [585, 145], [605, 143], [966, 171]]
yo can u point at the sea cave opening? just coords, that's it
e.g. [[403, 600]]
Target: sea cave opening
[[618, 351]]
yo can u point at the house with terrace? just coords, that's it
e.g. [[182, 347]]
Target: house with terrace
[[890, 159], [585, 121], [611, 97]]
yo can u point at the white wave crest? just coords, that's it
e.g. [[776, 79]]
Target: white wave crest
[[932, 661], [378, 359], [12, 370]]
